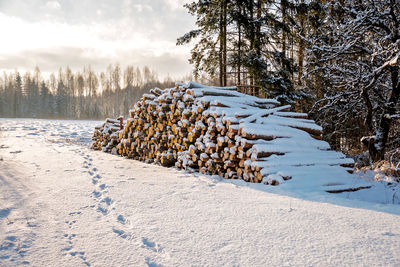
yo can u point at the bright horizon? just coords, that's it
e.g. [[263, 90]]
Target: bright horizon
[[57, 34]]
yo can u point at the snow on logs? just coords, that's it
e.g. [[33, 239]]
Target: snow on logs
[[217, 130], [106, 136]]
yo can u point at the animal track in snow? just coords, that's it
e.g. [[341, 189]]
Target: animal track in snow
[[68, 250], [121, 233], [96, 194], [70, 223], [4, 213], [121, 219], [151, 245], [13, 249], [103, 210], [152, 264], [100, 192], [107, 200]]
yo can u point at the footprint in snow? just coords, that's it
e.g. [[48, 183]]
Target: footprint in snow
[[4, 213], [71, 236], [11, 238], [95, 179], [31, 224], [151, 245], [389, 234], [96, 194], [86, 164], [107, 200], [104, 211], [81, 256], [152, 264], [67, 248], [88, 206], [69, 242], [121, 233], [70, 223], [121, 219], [74, 253]]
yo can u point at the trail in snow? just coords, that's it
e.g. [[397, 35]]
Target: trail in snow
[[62, 204]]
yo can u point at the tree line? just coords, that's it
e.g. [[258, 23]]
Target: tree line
[[80, 95], [337, 60]]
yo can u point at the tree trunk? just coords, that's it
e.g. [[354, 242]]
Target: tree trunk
[[257, 41], [301, 44], [283, 8], [221, 47], [377, 146], [252, 37], [239, 50], [224, 11]]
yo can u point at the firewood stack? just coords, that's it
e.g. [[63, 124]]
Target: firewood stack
[[218, 150], [106, 136], [220, 131], [254, 139], [159, 126]]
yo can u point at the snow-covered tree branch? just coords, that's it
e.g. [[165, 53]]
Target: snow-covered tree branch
[[357, 53]]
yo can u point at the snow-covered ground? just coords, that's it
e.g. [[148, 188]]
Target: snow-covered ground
[[62, 204]]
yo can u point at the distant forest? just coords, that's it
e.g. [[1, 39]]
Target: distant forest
[[79, 95]]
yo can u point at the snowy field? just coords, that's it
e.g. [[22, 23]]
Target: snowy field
[[62, 204]]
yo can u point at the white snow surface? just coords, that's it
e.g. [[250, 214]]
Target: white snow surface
[[62, 204]]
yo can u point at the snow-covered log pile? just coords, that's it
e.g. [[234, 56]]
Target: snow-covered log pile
[[254, 139], [220, 131], [106, 136], [160, 126]]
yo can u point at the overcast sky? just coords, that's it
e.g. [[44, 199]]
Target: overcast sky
[[74, 33]]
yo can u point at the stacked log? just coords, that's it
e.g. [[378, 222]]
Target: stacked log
[[220, 131], [218, 150], [159, 125], [106, 136], [246, 135]]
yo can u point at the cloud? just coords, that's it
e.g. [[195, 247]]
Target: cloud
[[53, 5], [176, 4], [140, 8], [49, 60], [112, 33]]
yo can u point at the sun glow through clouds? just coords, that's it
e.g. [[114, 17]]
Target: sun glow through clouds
[[58, 34]]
